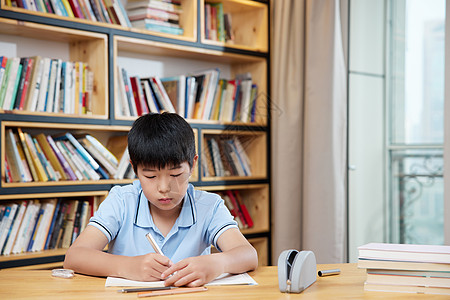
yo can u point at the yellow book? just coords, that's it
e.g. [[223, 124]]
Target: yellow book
[[27, 146], [68, 8], [51, 156]]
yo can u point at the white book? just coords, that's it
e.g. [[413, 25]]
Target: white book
[[103, 150], [13, 73], [210, 93], [68, 83], [15, 229], [191, 92], [5, 225], [149, 96], [246, 90], [69, 160], [12, 139], [99, 157], [36, 85], [51, 86], [42, 98], [83, 166], [56, 97], [122, 95], [243, 155], [123, 165], [44, 225], [30, 214]]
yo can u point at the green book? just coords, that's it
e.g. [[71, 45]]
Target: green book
[[5, 82], [16, 86]]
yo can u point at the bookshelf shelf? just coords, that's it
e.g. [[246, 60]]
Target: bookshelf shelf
[[103, 47]]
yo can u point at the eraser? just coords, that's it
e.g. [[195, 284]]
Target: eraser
[[63, 273]]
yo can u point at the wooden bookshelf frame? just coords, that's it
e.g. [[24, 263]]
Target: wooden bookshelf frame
[[88, 47], [99, 45]]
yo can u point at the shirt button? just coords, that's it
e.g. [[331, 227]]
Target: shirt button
[[161, 239]]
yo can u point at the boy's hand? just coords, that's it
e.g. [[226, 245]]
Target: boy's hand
[[193, 271], [147, 267]]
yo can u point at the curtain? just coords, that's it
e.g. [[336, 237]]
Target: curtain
[[309, 125]]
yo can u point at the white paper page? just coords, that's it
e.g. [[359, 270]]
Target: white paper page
[[224, 279]]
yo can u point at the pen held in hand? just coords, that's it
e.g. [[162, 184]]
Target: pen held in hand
[[153, 243]]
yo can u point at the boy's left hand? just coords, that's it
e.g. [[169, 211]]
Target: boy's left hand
[[193, 271]]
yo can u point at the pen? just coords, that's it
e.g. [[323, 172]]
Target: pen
[[153, 243], [172, 292], [145, 289], [329, 272]]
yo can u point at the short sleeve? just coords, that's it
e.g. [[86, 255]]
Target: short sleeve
[[109, 216], [221, 221]]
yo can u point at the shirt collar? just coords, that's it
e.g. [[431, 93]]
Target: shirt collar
[[186, 218]]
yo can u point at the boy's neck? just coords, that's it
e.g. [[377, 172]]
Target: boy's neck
[[165, 219]]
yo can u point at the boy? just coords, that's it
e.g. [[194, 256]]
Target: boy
[[183, 221]]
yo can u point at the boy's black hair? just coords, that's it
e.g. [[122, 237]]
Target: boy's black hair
[[160, 140]]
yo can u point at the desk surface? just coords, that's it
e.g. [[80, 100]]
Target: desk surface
[[39, 284]]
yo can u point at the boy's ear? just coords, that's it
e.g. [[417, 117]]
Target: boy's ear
[[194, 163]]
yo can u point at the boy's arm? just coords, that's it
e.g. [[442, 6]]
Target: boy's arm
[[237, 256], [86, 256]]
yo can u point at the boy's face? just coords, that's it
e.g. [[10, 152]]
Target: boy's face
[[165, 188]]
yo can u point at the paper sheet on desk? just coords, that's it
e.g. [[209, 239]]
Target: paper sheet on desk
[[224, 279]]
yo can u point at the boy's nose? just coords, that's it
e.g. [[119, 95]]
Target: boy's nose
[[164, 186]]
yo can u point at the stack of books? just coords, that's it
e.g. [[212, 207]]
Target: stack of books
[[234, 202], [225, 157], [43, 84], [218, 23], [36, 225], [105, 11], [200, 95], [406, 268], [65, 157], [156, 15]]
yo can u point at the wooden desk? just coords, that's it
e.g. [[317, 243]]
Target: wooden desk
[[39, 284]]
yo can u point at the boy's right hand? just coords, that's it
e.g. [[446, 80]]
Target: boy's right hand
[[147, 267]]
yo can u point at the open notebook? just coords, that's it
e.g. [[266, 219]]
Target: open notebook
[[224, 279]]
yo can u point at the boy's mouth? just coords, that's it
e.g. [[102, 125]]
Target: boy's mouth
[[165, 200]]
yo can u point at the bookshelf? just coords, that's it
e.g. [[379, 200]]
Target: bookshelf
[[103, 47]]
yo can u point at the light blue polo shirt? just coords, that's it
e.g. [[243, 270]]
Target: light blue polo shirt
[[124, 217]]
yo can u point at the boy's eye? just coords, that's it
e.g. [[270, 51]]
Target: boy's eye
[[150, 177], [176, 175]]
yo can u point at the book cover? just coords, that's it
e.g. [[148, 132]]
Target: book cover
[[175, 87], [57, 229], [62, 160], [13, 71], [51, 156], [35, 83], [22, 75], [69, 223], [43, 88], [51, 173], [406, 289], [141, 106], [27, 143], [150, 97], [12, 156], [9, 225], [48, 208], [52, 224], [22, 97], [406, 252], [401, 265], [15, 228], [32, 236]]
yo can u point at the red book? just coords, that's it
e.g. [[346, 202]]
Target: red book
[[76, 9], [238, 211], [137, 100], [243, 207], [26, 83]]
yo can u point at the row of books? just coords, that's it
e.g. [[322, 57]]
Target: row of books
[[36, 225], [225, 157], [234, 202], [406, 268], [201, 95], [106, 11], [155, 15], [45, 85], [217, 23], [65, 157]]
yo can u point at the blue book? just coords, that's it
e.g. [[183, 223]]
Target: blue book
[[35, 228], [52, 225], [86, 156]]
